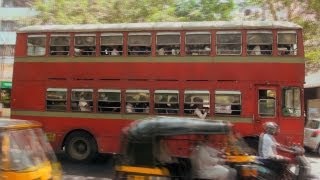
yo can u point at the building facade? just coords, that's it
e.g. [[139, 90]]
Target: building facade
[[12, 13]]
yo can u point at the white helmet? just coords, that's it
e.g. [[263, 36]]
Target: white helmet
[[270, 127]]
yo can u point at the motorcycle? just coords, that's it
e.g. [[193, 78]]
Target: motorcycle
[[296, 167]]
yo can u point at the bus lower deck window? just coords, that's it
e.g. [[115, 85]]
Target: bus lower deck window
[[166, 102], [109, 101]]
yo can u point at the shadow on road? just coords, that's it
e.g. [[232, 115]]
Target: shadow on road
[[101, 167]]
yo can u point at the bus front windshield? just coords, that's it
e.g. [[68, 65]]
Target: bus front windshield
[[26, 149]]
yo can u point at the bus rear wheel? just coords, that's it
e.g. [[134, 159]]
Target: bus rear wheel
[[81, 147]]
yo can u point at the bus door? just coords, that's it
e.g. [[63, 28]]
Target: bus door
[[267, 101]]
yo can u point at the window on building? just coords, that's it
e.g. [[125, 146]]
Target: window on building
[[109, 100], [166, 101], [8, 25], [267, 103], [198, 43], [137, 101], [229, 43], [168, 43], [196, 99], [7, 3], [259, 42], [85, 45], [139, 44], [59, 44], [228, 102], [36, 45], [287, 43], [111, 44], [82, 100], [291, 104], [6, 50], [56, 99]]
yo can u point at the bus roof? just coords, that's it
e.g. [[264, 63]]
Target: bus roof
[[6, 124], [204, 25]]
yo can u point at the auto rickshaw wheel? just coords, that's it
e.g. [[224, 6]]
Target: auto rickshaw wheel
[[81, 146]]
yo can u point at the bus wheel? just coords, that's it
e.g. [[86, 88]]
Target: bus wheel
[[81, 146]]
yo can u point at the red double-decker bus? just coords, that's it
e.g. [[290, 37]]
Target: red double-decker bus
[[84, 83]]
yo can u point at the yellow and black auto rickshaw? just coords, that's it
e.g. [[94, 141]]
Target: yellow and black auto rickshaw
[[25, 152], [143, 143]]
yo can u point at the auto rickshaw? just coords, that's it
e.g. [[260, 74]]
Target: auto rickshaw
[[143, 140], [25, 152]]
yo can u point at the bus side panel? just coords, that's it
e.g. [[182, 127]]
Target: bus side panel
[[177, 71], [105, 131], [28, 95]]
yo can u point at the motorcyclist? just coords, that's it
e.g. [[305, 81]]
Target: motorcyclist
[[268, 148]]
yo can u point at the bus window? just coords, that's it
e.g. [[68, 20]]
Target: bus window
[[139, 44], [137, 101], [196, 99], [111, 44], [229, 43], [81, 100], [267, 103], [85, 45], [287, 43], [198, 43], [259, 42], [59, 45], [291, 104], [109, 100], [228, 102], [36, 45], [168, 43], [166, 101], [56, 99]]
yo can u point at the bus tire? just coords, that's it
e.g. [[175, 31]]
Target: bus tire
[[81, 147]]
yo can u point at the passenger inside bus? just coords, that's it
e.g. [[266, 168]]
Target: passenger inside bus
[[161, 52], [199, 110], [173, 106], [83, 104], [143, 105], [161, 107], [129, 106], [115, 52]]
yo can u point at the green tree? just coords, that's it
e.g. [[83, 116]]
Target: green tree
[[303, 12], [204, 10], [118, 11]]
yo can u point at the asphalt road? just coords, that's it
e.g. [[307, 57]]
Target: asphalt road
[[102, 169]]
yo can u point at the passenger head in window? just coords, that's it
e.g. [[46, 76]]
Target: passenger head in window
[[199, 110]]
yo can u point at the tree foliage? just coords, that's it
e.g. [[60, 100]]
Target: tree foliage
[[305, 13], [118, 11]]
